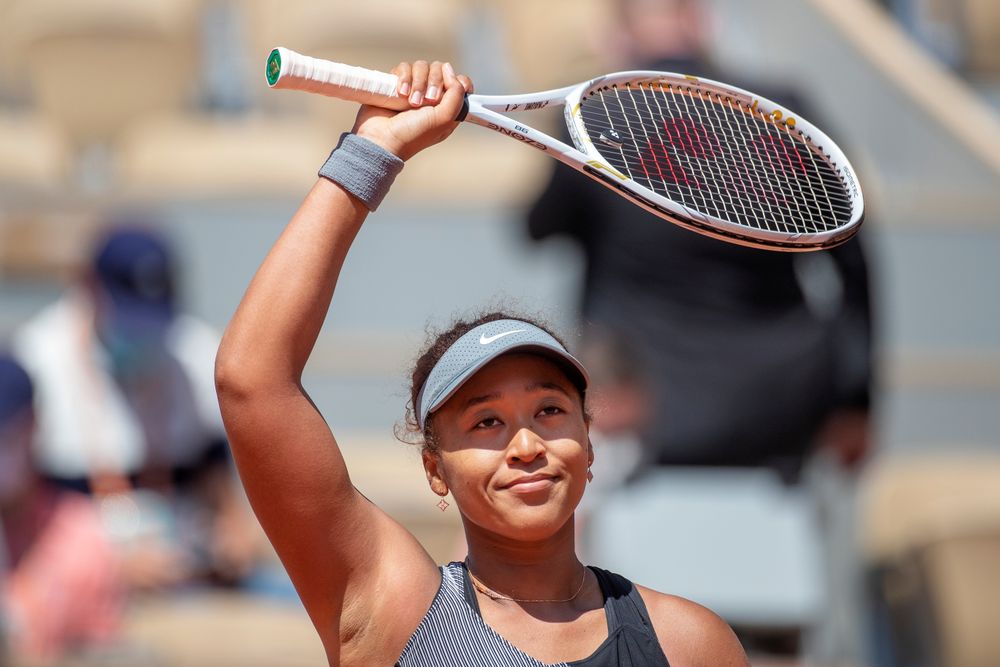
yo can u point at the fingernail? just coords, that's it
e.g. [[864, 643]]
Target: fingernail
[[417, 97], [448, 70], [404, 89], [432, 92]]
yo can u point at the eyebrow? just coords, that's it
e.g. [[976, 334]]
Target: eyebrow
[[538, 386], [534, 387], [477, 400]]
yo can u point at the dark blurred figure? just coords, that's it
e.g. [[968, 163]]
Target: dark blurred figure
[[714, 354], [710, 353], [61, 586], [127, 411]]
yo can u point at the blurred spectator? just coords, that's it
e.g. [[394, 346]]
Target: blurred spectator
[[61, 581], [127, 410], [714, 354]]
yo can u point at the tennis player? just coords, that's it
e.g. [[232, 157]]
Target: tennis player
[[500, 406]]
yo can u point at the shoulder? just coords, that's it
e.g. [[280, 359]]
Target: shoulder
[[690, 634]]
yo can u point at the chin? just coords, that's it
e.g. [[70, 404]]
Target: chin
[[526, 518], [536, 523]]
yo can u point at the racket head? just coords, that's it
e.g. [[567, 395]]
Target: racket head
[[716, 159]]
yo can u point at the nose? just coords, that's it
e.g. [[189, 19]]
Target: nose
[[525, 447]]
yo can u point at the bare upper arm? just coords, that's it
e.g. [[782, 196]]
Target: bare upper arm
[[340, 550], [691, 635]]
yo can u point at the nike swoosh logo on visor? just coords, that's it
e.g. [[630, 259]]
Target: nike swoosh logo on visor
[[486, 340]]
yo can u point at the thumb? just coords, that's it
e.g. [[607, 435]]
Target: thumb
[[454, 96]]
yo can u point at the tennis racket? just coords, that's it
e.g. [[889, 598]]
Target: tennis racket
[[704, 155]]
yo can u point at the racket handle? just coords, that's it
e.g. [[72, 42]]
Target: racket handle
[[294, 71]]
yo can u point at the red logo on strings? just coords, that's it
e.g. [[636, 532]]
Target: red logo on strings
[[681, 136], [691, 137], [780, 156], [656, 162]]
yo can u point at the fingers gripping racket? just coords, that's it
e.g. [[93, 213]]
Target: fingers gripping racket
[[707, 156]]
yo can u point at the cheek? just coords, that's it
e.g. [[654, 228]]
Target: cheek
[[468, 470]]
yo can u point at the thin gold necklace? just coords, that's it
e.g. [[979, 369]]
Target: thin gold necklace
[[492, 594]]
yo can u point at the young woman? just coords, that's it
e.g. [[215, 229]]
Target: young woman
[[500, 406]]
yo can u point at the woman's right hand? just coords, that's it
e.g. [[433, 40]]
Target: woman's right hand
[[436, 94]]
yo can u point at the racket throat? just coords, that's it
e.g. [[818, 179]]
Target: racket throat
[[514, 130]]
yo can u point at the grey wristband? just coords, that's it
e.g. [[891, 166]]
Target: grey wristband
[[363, 168]]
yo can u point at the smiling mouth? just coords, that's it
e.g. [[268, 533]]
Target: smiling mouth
[[530, 483]]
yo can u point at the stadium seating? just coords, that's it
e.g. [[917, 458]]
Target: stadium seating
[[34, 157], [119, 100], [563, 34], [931, 538], [982, 29], [93, 66], [204, 156], [278, 150], [373, 34]]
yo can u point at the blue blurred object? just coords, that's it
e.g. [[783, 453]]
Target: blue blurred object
[[16, 391], [134, 266]]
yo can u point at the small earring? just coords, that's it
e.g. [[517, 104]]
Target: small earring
[[443, 505], [590, 475]]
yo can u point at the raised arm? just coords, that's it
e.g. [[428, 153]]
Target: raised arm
[[337, 547]]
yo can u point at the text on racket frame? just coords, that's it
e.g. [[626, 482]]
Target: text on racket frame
[[520, 134]]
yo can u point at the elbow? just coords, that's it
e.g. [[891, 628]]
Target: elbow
[[245, 371], [233, 377], [227, 378]]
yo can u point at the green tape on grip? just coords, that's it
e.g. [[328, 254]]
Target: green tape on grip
[[273, 69]]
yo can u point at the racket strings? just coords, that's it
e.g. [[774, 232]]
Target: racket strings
[[771, 138], [768, 172], [716, 157], [730, 178], [764, 158], [763, 162]]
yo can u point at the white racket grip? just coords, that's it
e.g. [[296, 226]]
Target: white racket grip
[[294, 71]]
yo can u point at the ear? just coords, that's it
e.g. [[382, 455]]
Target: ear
[[432, 468]]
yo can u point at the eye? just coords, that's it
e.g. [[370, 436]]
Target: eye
[[489, 422], [551, 410]]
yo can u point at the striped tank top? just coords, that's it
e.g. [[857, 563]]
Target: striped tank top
[[453, 634]]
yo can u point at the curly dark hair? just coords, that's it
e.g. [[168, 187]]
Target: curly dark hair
[[437, 344]]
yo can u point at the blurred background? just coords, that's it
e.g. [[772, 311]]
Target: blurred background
[[153, 119]]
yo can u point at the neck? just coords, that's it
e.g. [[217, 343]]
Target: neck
[[546, 569]]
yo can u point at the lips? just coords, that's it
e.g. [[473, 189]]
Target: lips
[[528, 483]]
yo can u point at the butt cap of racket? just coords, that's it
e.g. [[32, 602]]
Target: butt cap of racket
[[273, 69]]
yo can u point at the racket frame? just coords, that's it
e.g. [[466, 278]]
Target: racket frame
[[287, 69], [488, 111]]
